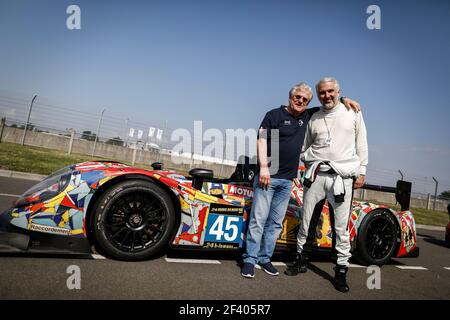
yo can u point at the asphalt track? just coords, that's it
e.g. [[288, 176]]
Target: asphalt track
[[194, 275]]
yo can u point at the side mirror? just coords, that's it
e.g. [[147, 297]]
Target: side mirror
[[199, 175]]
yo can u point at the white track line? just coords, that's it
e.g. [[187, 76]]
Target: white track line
[[411, 268], [201, 261], [351, 265], [9, 195], [447, 268], [98, 257], [278, 264]]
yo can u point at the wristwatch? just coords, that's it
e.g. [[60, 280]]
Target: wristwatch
[[341, 99]]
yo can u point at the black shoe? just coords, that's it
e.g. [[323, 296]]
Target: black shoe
[[270, 269], [248, 270], [300, 265], [340, 281]]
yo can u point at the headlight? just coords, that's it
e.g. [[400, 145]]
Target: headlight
[[48, 188]]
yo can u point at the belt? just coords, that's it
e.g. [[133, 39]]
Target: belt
[[323, 169]]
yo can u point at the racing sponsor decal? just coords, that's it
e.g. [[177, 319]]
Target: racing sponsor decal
[[49, 229], [241, 191], [177, 177], [224, 209], [224, 229], [216, 192], [215, 189], [215, 245]]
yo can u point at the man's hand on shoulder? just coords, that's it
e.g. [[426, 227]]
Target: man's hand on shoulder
[[351, 104]]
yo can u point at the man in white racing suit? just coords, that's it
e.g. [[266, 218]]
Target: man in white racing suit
[[335, 153]]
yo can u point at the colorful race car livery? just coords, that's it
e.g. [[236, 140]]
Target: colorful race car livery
[[132, 214]]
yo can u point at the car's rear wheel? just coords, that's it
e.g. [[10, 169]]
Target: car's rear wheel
[[133, 220], [377, 238]]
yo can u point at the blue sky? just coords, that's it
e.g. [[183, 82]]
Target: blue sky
[[228, 62]]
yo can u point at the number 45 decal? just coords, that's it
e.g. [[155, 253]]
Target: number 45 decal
[[222, 228]]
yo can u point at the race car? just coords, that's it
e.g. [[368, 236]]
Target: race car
[[128, 213]]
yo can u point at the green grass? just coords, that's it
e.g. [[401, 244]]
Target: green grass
[[34, 159], [44, 161], [423, 216], [430, 217]]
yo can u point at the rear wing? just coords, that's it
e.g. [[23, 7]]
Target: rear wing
[[402, 192]]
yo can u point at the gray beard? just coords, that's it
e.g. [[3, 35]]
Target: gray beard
[[328, 107], [331, 106]]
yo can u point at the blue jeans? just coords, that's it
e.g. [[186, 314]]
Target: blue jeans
[[266, 218]]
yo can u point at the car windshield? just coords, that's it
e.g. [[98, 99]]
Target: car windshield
[[60, 172], [52, 184]]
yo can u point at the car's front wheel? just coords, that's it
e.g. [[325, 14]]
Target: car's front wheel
[[377, 238], [133, 220]]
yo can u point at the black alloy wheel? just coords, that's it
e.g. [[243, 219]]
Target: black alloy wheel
[[134, 220], [380, 238], [377, 238]]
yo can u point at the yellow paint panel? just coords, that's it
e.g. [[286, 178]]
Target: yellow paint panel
[[50, 210], [64, 219], [184, 205], [77, 231], [326, 227], [204, 197], [206, 219], [56, 200], [285, 229], [102, 181]]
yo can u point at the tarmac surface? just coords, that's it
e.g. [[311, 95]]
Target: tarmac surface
[[205, 276]]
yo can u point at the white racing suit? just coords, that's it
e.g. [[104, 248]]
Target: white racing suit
[[337, 188]]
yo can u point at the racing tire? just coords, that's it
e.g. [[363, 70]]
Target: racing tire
[[133, 220], [377, 236]]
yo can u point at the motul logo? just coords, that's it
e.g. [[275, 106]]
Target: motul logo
[[241, 191]]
